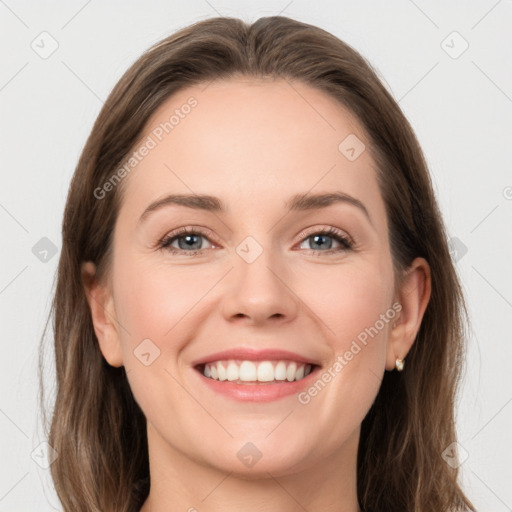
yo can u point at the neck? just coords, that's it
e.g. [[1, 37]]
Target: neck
[[179, 483]]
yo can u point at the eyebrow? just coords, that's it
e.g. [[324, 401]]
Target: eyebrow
[[298, 202]]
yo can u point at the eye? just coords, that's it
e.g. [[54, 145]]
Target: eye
[[188, 241], [322, 241]]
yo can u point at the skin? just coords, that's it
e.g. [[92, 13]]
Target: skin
[[254, 144]]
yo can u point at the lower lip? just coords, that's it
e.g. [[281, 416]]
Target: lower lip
[[261, 392]]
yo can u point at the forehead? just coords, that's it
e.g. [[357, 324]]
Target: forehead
[[246, 140]]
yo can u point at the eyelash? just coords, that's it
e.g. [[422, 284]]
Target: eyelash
[[165, 243]]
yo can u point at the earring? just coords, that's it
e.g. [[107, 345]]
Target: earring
[[399, 364]]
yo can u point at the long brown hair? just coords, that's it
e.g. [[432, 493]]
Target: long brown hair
[[97, 427]]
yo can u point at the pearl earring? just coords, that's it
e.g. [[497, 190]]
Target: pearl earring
[[399, 364]]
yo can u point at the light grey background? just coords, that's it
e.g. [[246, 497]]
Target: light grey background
[[459, 105]]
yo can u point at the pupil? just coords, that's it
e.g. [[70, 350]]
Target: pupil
[[190, 241], [317, 237]]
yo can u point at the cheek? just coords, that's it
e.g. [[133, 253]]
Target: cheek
[[155, 307], [152, 300], [355, 304]]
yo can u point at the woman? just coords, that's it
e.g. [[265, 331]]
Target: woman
[[256, 307]]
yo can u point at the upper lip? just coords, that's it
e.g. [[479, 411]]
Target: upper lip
[[251, 354]]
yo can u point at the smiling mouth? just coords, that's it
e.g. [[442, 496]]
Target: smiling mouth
[[256, 372]]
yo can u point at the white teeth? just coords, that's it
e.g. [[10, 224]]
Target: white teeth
[[254, 371], [291, 372], [221, 372], [232, 372], [265, 371], [280, 371], [247, 371]]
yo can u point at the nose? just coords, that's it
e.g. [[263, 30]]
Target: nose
[[260, 292]]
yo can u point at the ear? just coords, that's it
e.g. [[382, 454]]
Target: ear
[[413, 294], [103, 314]]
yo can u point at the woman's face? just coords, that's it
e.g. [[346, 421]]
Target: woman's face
[[255, 277]]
